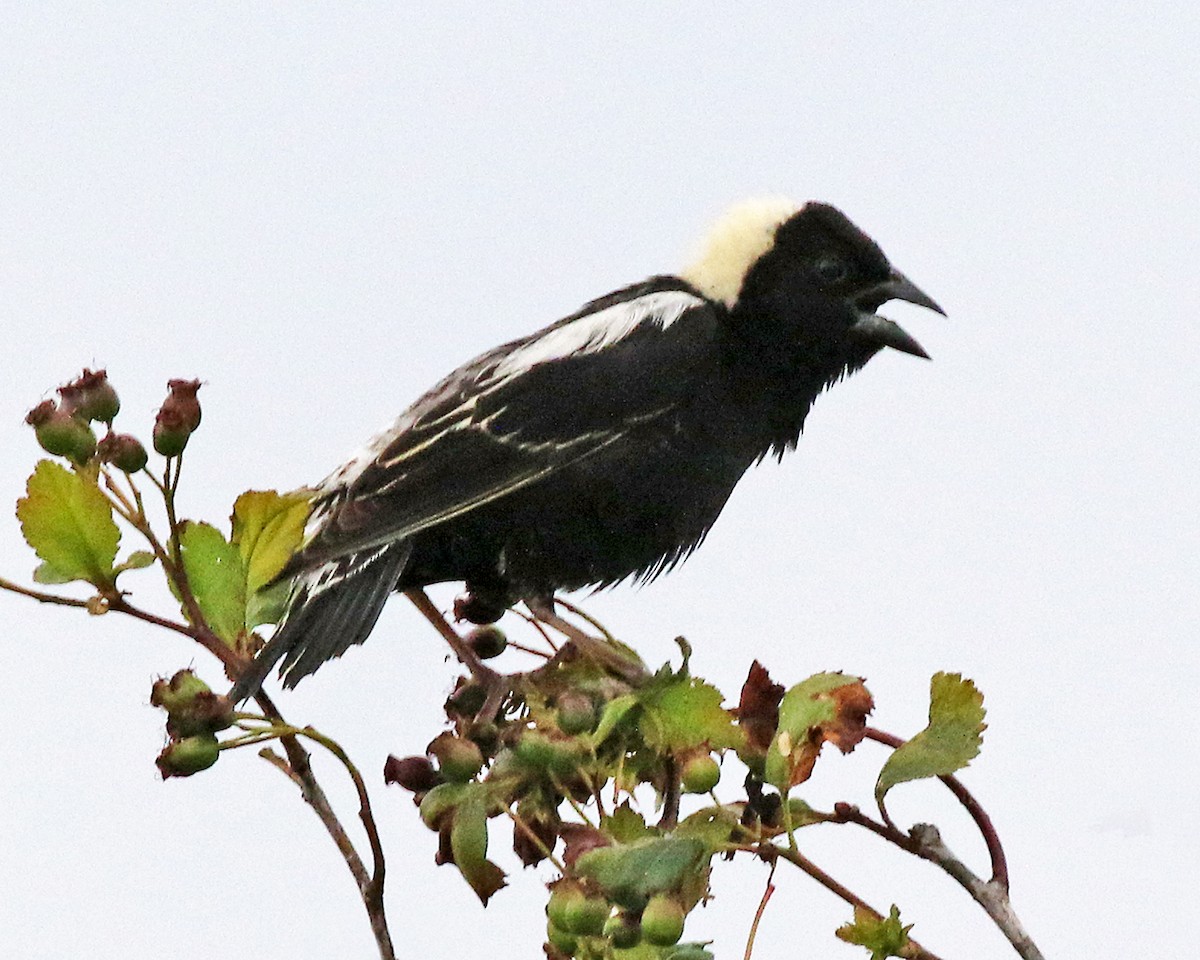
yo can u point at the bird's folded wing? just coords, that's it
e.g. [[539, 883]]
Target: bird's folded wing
[[518, 414]]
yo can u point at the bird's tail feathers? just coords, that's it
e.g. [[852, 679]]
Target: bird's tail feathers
[[329, 609]]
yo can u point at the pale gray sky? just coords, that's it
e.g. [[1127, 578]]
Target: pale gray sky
[[320, 209]]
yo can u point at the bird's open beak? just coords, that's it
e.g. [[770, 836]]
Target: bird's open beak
[[888, 333]]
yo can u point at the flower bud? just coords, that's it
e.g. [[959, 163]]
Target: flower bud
[[412, 773], [61, 434], [177, 418], [123, 451], [474, 609], [91, 397]]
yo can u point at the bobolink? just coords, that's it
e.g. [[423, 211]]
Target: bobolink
[[602, 447]]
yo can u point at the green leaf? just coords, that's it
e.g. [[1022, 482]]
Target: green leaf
[[268, 528], [684, 713], [950, 741], [825, 707], [217, 578], [626, 825], [631, 873], [614, 712], [138, 560], [883, 936], [469, 843], [68, 521], [712, 826]]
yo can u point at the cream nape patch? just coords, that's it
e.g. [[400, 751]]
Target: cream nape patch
[[734, 245]]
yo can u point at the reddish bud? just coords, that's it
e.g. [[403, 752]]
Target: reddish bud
[[123, 451], [91, 397], [177, 418], [412, 773], [473, 609]]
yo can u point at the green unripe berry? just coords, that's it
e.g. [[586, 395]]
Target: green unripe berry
[[458, 759], [623, 930], [585, 916], [487, 641], [662, 921], [560, 939], [576, 713], [700, 774], [182, 758]]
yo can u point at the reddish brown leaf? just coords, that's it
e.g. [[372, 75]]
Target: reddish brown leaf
[[758, 708]]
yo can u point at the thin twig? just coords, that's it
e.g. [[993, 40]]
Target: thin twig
[[795, 857], [299, 770], [40, 596], [758, 914]]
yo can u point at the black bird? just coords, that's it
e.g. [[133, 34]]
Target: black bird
[[602, 447]]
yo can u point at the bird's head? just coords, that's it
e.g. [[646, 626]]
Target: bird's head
[[805, 278]]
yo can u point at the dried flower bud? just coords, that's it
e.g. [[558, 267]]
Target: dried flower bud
[[123, 451], [91, 397], [61, 434], [177, 418], [474, 609], [412, 773]]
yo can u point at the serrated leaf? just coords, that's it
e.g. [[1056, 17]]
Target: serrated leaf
[[268, 528], [950, 741], [686, 713], [631, 873], [626, 825], [883, 936], [216, 577], [68, 522], [827, 707], [469, 843]]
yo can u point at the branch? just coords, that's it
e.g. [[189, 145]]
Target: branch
[[986, 828], [299, 770], [992, 896]]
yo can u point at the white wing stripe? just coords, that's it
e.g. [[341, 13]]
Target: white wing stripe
[[595, 331]]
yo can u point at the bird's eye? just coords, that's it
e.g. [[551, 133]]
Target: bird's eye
[[832, 269]]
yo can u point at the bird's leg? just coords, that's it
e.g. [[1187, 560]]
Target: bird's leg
[[627, 665], [494, 683]]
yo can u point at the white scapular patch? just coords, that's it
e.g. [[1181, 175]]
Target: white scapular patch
[[595, 331], [735, 244]]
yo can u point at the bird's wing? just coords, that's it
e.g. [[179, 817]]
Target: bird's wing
[[518, 414]]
